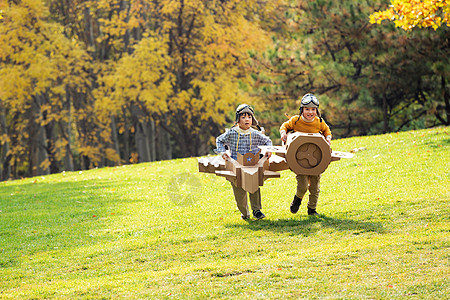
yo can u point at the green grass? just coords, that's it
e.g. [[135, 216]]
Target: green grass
[[114, 233]]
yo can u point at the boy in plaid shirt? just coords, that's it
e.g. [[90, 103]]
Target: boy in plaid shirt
[[243, 139]]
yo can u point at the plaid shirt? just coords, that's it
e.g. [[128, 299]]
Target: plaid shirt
[[242, 143]]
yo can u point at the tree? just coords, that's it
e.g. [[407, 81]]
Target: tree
[[34, 68], [209, 42], [186, 71], [408, 14], [89, 77], [369, 79], [141, 85], [205, 44]]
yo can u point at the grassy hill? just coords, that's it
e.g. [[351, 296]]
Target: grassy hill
[[118, 232]]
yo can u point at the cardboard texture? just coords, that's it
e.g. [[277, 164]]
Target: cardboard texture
[[248, 171], [277, 163], [307, 153], [304, 153], [248, 159], [337, 155], [211, 164]]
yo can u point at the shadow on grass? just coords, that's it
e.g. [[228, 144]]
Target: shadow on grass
[[445, 142], [439, 143], [41, 216], [310, 225]]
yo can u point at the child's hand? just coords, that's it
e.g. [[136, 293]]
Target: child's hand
[[268, 154], [225, 156], [283, 136]]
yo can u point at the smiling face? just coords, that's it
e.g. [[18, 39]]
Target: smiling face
[[309, 113], [245, 121]]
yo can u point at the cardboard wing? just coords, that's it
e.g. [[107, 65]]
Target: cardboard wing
[[310, 154], [304, 153], [248, 171], [210, 164]]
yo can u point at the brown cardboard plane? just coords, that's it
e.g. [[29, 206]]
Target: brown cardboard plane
[[304, 153]]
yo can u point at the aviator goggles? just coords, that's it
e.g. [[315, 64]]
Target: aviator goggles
[[310, 98], [243, 107]]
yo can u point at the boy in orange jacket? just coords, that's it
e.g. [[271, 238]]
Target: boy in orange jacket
[[308, 121]]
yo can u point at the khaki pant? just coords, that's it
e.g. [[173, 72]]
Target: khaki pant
[[311, 182], [241, 200]]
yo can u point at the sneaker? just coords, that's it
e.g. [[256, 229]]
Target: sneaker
[[258, 214], [245, 217], [312, 212], [295, 204]]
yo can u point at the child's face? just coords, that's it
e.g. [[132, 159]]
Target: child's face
[[309, 113], [245, 121]]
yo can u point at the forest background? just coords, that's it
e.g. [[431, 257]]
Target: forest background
[[95, 83]]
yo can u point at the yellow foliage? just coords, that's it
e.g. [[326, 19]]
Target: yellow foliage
[[134, 158], [61, 143], [90, 151], [45, 164], [4, 138], [175, 59], [215, 65], [112, 155], [35, 59], [59, 153], [408, 14]]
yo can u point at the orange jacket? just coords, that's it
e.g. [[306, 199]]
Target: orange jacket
[[298, 124]]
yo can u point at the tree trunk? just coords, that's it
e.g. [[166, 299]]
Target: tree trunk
[[84, 126], [141, 134], [163, 146], [115, 139], [5, 157], [89, 30], [151, 140], [142, 142], [126, 138], [446, 96], [42, 158], [66, 129], [385, 115], [55, 165], [39, 163]]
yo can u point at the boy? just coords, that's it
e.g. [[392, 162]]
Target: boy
[[308, 121], [243, 139]]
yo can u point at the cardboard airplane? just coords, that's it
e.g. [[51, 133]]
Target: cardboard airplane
[[303, 153], [248, 171]]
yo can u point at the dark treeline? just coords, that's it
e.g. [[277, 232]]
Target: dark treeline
[[371, 79], [101, 83]]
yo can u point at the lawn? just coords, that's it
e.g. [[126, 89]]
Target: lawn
[[124, 232]]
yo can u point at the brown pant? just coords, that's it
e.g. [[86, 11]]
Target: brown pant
[[311, 182], [241, 200]]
